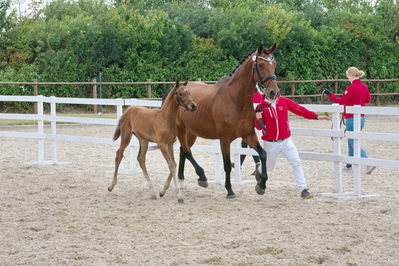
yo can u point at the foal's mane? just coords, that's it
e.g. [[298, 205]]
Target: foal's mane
[[165, 95]]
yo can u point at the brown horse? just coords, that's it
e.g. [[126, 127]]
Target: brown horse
[[225, 112], [155, 125]]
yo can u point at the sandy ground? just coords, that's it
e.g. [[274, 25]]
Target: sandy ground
[[64, 215]]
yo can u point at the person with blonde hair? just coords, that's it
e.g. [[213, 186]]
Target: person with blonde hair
[[355, 94]]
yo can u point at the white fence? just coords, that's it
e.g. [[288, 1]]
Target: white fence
[[336, 133]]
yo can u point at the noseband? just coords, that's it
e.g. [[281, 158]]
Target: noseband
[[261, 82]]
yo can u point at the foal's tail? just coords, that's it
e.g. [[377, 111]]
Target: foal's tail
[[117, 132]]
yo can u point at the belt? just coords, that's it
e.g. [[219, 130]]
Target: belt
[[276, 140]]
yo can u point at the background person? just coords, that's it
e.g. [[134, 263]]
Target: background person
[[355, 94], [277, 135]]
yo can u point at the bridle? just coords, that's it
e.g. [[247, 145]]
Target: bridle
[[263, 83]]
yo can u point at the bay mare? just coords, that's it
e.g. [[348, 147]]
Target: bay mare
[[154, 125], [225, 112]]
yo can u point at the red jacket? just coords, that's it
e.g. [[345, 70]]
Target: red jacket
[[275, 117], [356, 94]]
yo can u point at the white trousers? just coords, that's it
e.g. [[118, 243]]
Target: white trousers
[[288, 149]]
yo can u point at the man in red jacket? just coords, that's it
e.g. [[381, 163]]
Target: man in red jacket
[[272, 119]]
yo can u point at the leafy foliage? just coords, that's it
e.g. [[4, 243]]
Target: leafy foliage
[[138, 40]]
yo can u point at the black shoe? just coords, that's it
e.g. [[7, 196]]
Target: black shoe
[[305, 194], [348, 166]]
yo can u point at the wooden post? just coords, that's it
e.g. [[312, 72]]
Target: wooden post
[[35, 93], [336, 84], [378, 90], [293, 88], [95, 95], [149, 89]]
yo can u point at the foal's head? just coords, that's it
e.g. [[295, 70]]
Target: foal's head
[[264, 67], [183, 96]]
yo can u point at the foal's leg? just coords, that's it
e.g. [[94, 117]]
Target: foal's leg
[[141, 160], [253, 142], [225, 147], [166, 152], [125, 140]]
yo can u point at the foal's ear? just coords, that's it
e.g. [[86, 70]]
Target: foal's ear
[[185, 83], [260, 49], [177, 84], [272, 48]]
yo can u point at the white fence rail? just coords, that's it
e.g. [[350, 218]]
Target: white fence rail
[[336, 133]]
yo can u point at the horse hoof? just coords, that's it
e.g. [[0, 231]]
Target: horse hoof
[[259, 190], [203, 183], [109, 189], [181, 201], [161, 194], [231, 196]]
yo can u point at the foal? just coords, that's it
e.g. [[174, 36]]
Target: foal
[[154, 125]]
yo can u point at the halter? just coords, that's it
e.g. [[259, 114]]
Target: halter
[[181, 102], [261, 83]]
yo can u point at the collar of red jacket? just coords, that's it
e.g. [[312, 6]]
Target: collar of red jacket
[[356, 81], [265, 99]]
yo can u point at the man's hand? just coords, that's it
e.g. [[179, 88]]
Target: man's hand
[[323, 117], [258, 115], [326, 91]]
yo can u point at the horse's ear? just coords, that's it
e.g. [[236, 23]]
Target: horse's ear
[[272, 48], [177, 84], [260, 49], [185, 83]]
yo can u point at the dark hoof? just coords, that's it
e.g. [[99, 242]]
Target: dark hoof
[[257, 176], [203, 183], [259, 190], [180, 201], [231, 196], [161, 195]]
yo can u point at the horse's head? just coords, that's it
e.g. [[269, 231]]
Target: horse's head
[[183, 96], [264, 66]]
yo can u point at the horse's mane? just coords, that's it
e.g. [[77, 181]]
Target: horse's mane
[[224, 78]]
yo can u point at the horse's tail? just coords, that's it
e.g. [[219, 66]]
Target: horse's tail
[[117, 132]]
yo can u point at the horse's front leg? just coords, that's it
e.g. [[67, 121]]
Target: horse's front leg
[[252, 141], [225, 147], [261, 185]]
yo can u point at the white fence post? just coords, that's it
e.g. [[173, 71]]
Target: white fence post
[[40, 129], [53, 113], [236, 159], [218, 163], [337, 151], [356, 154]]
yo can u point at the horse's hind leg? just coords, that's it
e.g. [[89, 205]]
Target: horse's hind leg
[[141, 160], [125, 140], [167, 152]]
